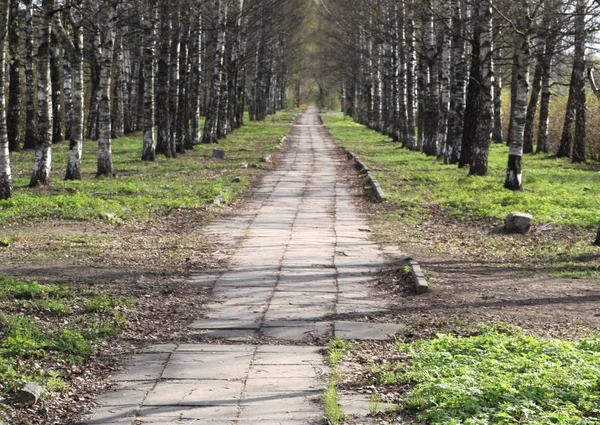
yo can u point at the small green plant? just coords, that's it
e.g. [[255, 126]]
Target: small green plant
[[336, 349], [98, 304], [333, 412], [375, 404]]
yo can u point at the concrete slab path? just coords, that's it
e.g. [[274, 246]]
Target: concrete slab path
[[302, 267]]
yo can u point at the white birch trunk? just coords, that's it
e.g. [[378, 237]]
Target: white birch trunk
[[148, 148], [5, 174], [212, 116], [107, 21], [43, 149], [514, 172], [410, 75], [77, 119]]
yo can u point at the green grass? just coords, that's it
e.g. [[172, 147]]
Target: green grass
[[141, 190], [555, 190], [502, 376], [44, 329], [331, 406], [336, 349]]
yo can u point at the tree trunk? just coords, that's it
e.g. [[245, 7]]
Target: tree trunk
[[432, 98], [43, 148], [183, 134], [76, 141], [534, 98], [5, 174], [68, 95], [542, 141], [410, 75], [92, 125], [30, 124], [174, 75], [458, 87], [579, 77], [212, 114], [597, 241], [55, 66], [14, 97], [107, 23], [163, 118], [514, 172], [472, 106], [116, 110], [196, 81], [444, 97], [498, 130], [148, 149], [481, 143]]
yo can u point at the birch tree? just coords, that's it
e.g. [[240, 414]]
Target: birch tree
[[107, 14], [30, 124], [514, 169], [5, 175], [148, 148], [43, 147], [211, 124], [14, 97], [484, 123], [74, 47]]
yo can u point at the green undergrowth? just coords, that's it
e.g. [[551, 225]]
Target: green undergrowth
[[555, 190], [45, 330], [142, 190], [500, 375]]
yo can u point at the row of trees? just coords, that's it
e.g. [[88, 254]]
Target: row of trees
[[430, 74], [439, 67], [155, 66]]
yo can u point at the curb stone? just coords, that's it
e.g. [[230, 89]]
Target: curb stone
[[416, 273], [362, 167]]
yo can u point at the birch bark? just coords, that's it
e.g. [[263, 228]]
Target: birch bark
[[514, 170], [14, 96], [5, 173], [30, 124], [148, 147], [43, 147]]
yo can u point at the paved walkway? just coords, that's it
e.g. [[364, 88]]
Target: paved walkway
[[301, 270]]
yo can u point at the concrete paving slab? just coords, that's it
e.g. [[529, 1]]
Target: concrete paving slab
[[127, 393], [205, 414], [215, 348], [195, 393], [224, 324], [287, 371], [366, 331]]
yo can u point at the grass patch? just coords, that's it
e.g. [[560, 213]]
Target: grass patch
[[501, 375], [555, 190], [141, 190], [333, 412], [47, 329], [336, 349]]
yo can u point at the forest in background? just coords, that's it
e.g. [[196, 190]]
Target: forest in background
[[437, 76], [101, 69]]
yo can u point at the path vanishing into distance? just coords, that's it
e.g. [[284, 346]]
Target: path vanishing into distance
[[302, 270]]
